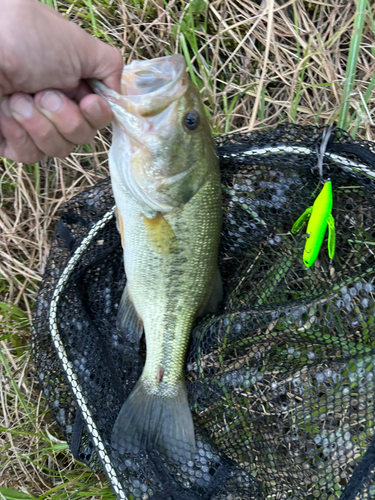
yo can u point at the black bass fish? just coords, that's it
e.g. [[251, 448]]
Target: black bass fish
[[166, 183]]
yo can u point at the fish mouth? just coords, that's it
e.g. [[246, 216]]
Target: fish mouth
[[151, 86], [152, 76], [150, 90]]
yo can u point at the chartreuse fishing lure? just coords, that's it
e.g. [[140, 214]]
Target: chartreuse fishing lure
[[320, 217]]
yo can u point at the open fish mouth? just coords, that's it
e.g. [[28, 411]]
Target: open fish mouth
[[148, 87], [155, 76], [151, 86]]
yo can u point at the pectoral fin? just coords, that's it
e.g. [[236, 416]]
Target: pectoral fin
[[301, 220], [331, 237], [160, 235], [120, 226], [128, 320]]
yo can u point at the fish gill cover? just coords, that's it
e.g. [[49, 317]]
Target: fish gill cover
[[280, 381]]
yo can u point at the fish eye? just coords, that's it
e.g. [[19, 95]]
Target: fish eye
[[191, 120]]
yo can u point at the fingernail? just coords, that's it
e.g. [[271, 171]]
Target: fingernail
[[51, 101], [94, 109], [5, 107], [22, 106]]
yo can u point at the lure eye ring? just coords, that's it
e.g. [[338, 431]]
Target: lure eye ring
[[191, 120]]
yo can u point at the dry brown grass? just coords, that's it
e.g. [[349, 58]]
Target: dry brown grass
[[258, 64]]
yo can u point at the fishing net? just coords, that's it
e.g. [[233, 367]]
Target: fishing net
[[281, 380]]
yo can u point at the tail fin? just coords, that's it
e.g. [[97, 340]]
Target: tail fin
[[149, 421]]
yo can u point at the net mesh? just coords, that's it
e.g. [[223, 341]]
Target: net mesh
[[280, 380]]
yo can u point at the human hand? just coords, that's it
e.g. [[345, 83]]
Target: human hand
[[46, 107]]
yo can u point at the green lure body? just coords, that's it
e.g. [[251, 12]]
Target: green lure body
[[320, 217]]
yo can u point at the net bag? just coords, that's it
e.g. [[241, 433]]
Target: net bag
[[280, 381]]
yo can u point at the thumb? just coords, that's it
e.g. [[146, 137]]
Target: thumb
[[101, 61]]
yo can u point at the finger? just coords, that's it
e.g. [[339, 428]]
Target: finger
[[41, 130], [96, 111], [101, 61], [65, 115], [17, 144], [94, 108], [79, 92]]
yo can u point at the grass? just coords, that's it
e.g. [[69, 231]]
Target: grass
[[352, 62], [257, 64]]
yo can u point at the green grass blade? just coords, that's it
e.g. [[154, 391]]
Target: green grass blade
[[352, 62], [92, 18], [228, 111], [372, 22], [15, 312], [300, 77], [8, 371], [262, 107], [8, 494], [185, 50], [368, 94]]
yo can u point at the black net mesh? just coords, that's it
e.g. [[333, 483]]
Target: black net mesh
[[280, 380]]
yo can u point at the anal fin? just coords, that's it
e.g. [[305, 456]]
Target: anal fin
[[214, 300], [127, 319]]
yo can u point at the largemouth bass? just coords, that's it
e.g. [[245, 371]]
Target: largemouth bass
[[166, 184]]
